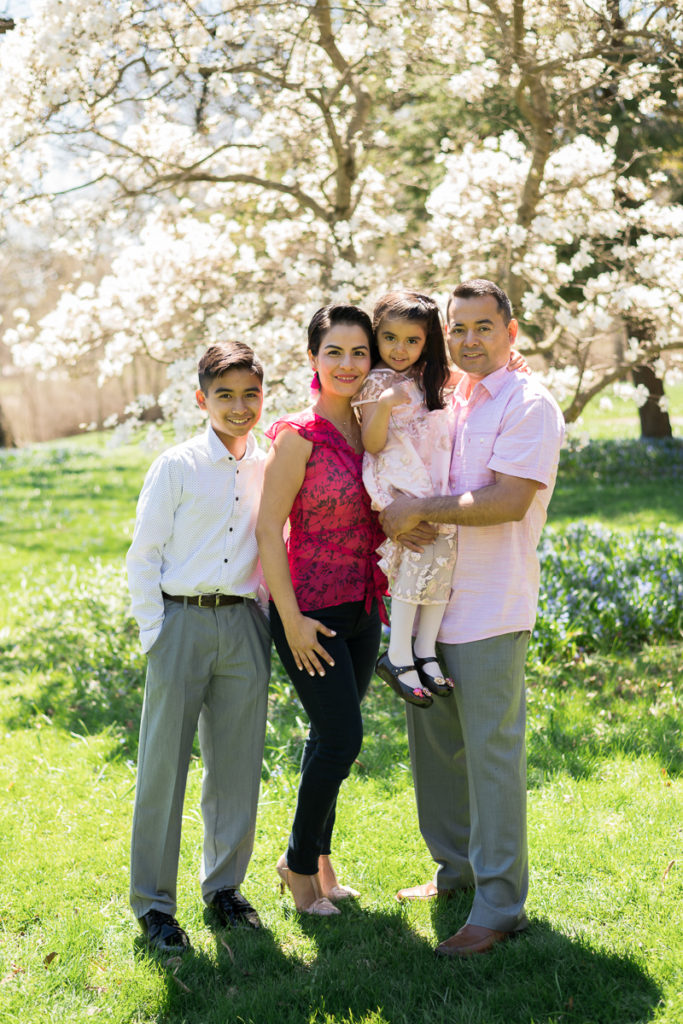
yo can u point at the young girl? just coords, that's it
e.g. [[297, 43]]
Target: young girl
[[406, 428]]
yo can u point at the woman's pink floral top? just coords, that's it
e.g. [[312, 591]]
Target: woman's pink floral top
[[333, 532]]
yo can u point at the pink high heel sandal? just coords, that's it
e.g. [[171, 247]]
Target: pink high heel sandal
[[321, 906]]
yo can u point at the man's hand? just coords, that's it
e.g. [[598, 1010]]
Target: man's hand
[[401, 517], [419, 537]]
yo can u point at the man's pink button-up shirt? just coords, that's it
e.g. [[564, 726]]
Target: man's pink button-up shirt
[[509, 424]]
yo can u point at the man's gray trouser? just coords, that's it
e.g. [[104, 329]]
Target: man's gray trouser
[[469, 769], [209, 667]]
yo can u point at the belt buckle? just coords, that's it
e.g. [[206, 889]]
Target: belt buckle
[[212, 603]]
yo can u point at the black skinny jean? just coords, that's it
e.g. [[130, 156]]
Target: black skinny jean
[[332, 703]]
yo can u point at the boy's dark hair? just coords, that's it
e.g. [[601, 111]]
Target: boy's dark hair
[[224, 356], [478, 287], [433, 362], [329, 316]]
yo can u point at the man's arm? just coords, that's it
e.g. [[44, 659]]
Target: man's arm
[[507, 500]]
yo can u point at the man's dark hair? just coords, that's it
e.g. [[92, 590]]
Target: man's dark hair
[[478, 287], [224, 356]]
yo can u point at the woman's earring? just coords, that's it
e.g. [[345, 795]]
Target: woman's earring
[[315, 383]]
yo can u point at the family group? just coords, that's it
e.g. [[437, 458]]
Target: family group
[[411, 472]]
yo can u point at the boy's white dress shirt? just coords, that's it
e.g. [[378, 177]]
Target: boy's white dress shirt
[[195, 528]]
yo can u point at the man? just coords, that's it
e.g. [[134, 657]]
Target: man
[[468, 754], [193, 574]]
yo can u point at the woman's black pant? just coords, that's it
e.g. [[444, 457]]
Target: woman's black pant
[[332, 703]]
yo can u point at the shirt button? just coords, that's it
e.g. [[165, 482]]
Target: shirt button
[[225, 559]]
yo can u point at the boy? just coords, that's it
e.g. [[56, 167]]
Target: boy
[[193, 575]]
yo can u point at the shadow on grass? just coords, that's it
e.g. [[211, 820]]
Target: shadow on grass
[[373, 967], [608, 505], [562, 747], [624, 480]]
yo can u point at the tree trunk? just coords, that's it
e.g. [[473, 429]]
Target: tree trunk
[[654, 421], [6, 435]]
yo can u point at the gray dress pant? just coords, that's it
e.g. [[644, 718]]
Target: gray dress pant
[[208, 668], [469, 769]]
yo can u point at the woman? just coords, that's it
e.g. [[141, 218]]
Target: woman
[[326, 589]]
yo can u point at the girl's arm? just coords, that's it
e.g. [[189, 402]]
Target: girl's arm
[[284, 475], [374, 427]]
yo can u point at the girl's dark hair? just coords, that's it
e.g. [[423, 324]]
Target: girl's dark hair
[[224, 356], [433, 361], [329, 316]]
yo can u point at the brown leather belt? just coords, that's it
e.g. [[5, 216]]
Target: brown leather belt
[[205, 600]]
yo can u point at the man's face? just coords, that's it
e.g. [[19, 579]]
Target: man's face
[[479, 341], [234, 402]]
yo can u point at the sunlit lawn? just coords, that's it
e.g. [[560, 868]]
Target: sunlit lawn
[[605, 803]]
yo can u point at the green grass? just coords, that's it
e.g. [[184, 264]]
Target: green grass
[[67, 501], [605, 806], [622, 420], [605, 802]]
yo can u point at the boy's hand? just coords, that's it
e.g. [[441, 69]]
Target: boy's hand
[[397, 394], [306, 649]]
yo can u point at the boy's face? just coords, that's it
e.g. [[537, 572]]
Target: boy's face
[[234, 402]]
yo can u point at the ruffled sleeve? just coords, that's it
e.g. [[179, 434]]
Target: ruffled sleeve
[[301, 423], [376, 382], [313, 428]]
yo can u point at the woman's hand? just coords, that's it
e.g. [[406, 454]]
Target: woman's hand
[[302, 637]]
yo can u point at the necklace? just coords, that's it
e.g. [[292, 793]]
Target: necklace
[[350, 435]]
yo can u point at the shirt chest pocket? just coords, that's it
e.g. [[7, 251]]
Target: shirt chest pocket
[[472, 457]]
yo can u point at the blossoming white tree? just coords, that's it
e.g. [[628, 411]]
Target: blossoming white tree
[[233, 165]]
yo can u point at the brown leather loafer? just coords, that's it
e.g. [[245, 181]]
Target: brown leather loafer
[[426, 891], [471, 939]]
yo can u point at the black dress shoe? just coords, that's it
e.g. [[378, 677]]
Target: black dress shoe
[[232, 908], [391, 674], [163, 932]]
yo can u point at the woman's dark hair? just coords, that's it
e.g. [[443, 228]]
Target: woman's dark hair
[[329, 316], [433, 361], [224, 356]]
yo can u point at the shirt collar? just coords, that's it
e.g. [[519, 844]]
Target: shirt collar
[[493, 383], [218, 451]]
